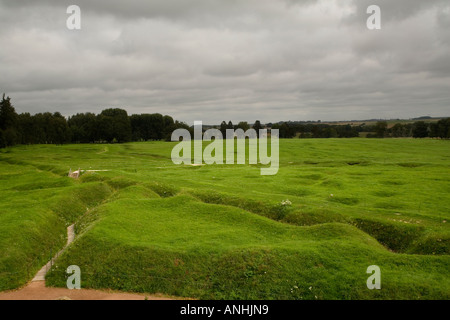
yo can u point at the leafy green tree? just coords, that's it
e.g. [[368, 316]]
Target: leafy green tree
[[346, 131], [316, 132], [334, 134], [285, 131], [83, 127], [420, 129], [257, 126], [61, 129], [443, 128], [8, 115], [243, 125], [169, 125], [223, 129], [8, 122], [44, 128], [398, 130], [381, 128], [104, 131], [25, 125], [2, 139], [150, 126], [433, 130], [114, 125], [156, 126]]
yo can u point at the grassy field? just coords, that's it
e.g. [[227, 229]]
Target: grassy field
[[221, 232], [390, 122]]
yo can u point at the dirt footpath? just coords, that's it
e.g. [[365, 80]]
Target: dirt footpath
[[37, 291]]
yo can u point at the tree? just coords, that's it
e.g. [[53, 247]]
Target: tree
[[150, 126], [443, 128], [223, 129], [83, 127], [114, 125], [381, 128], [243, 125], [136, 123], [155, 126], [316, 132], [61, 129], [285, 130], [420, 129], [8, 115], [25, 127], [398, 130], [110, 125], [2, 139], [257, 126], [433, 130], [169, 125], [8, 122], [334, 134]]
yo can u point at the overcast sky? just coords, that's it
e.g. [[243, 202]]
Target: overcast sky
[[215, 60]]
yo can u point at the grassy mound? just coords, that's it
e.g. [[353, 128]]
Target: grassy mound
[[185, 247], [33, 219], [335, 207]]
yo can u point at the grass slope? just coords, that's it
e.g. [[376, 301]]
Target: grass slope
[[35, 209], [220, 231]]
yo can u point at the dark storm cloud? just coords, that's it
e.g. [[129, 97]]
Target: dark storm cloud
[[214, 59]]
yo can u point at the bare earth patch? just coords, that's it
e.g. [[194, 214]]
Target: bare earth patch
[[38, 291]]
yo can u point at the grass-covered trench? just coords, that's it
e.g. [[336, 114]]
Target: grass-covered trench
[[221, 232]]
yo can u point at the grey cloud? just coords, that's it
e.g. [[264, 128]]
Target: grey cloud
[[238, 60], [397, 10]]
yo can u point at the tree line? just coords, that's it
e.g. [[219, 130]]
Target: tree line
[[291, 129], [115, 125], [111, 125], [381, 129], [418, 129]]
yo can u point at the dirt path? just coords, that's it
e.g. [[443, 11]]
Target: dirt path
[[36, 289], [40, 276]]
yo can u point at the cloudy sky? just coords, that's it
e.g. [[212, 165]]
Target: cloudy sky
[[215, 60]]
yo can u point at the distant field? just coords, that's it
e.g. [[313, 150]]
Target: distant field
[[220, 232], [390, 122]]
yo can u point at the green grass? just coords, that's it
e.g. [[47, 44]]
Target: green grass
[[35, 209], [220, 231]]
